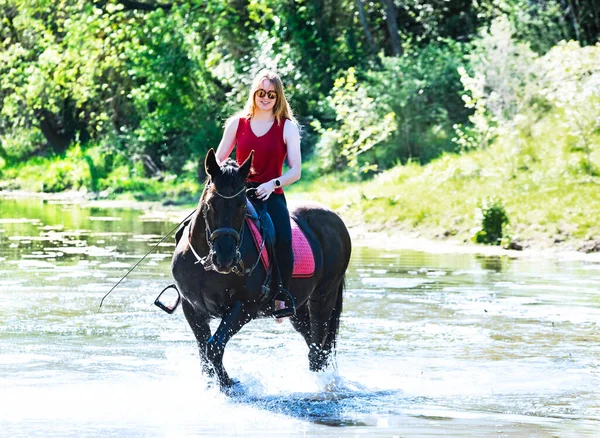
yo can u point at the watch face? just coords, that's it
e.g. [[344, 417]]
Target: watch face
[[278, 183]]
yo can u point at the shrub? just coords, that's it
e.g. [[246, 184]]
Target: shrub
[[501, 84], [403, 111], [363, 123], [571, 83], [20, 143], [544, 111], [494, 220], [65, 175], [422, 89]]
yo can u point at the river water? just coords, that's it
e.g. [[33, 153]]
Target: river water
[[430, 344]]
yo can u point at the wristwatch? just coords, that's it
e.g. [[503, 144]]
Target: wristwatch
[[277, 183]]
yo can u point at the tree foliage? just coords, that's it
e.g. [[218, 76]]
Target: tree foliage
[[136, 80], [147, 84], [513, 90]]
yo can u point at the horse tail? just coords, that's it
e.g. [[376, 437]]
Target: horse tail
[[334, 319]]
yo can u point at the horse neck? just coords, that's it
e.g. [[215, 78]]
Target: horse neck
[[198, 232]]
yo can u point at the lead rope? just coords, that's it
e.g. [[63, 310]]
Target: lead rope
[[142, 259]]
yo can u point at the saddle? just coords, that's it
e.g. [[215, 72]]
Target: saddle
[[262, 231], [263, 234], [304, 261], [260, 221]]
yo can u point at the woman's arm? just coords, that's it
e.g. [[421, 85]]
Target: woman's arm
[[228, 141], [291, 136]]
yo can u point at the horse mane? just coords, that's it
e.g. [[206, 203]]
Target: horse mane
[[229, 179], [230, 168]]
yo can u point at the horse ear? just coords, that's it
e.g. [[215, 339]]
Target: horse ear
[[246, 165], [211, 165]]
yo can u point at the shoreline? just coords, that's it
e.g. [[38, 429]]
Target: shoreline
[[394, 239], [402, 240]]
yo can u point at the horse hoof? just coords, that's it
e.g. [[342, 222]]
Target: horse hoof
[[234, 387]]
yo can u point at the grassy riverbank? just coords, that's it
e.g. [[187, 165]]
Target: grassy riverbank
[[549, 200], [549, 205], [440, 202], [495, 118]]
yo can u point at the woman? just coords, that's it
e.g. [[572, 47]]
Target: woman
[[267, 126]]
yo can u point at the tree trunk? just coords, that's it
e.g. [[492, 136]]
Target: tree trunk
[[574, 22], [61, 130], [365, 26], [392, 25]]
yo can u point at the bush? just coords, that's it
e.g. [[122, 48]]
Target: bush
[[70, 172], [422, 89], [544, 111], [20, 144], [494, 220], [571, 83], [403, 111], [500, 85], [363, 123]]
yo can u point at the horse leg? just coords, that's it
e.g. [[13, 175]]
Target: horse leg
[[301, 322], [201, 329], [235, 318], [310, 321]]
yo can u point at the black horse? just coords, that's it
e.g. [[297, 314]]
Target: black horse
[[213, 261]]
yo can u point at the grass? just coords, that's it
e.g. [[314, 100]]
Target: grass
[[548, 204], [550, 197], [86, 170]]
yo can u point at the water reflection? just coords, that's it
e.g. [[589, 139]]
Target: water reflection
[[493, 263], [430, 344]]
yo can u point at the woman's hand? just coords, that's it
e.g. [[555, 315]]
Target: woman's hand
[[264, 190]]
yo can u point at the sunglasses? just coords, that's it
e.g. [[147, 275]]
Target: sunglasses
[[270, 94]]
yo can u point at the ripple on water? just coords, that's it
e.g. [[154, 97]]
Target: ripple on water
[[429, 345], [32, 264], [394, 283]]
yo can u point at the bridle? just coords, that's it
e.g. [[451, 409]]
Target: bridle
[[211, 236]]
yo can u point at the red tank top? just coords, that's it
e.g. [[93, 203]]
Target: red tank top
[[269, 151]]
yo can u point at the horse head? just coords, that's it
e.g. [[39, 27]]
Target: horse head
[[223, 205]]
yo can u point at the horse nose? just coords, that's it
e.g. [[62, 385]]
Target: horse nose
[[221, 263], [224, 253]]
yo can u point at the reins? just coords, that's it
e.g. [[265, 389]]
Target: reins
[[142, 259], [210, 236]]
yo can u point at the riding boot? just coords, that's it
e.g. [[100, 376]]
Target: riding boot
[[281, 294]]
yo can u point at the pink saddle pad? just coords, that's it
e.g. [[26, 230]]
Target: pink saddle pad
[[304, 261]]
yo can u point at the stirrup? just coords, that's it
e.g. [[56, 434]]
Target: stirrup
[[287, 311], [168, 307]]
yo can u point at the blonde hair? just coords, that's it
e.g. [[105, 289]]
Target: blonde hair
[[281, 109]]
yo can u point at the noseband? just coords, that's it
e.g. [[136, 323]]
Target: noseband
[[211, 236]]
